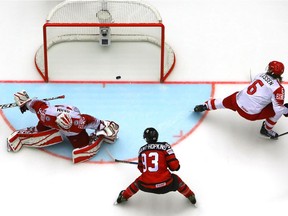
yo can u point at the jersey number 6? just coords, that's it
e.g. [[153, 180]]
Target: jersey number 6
[[253, 87]]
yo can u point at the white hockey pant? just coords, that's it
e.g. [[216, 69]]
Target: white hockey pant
[[30, 137]]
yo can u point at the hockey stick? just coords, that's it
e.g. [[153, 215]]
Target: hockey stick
[[251, 76], [124, 161], [11, 105], [120, 161], [283, 134]]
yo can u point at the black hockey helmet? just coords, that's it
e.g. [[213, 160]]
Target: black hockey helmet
[[150, 135]]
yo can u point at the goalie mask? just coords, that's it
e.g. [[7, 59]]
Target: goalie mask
[[150, 135], [64, 121]]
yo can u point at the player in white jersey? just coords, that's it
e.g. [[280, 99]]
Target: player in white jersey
[[263, 98], [61, 120]]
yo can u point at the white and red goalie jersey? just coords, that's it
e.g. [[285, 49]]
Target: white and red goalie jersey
[[47, 116]]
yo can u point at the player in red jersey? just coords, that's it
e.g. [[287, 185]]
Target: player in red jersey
[[155, 160], [61, 120], [263, 98]]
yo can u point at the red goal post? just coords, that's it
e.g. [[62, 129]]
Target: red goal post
[[122, 21]]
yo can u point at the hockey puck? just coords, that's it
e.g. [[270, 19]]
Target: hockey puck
[[118, 77]]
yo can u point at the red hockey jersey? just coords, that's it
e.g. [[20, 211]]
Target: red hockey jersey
[[155, 162]]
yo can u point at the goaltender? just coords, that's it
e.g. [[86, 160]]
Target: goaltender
[[57, 122]]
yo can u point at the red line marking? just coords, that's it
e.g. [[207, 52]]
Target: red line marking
[[127, 82], [179, 135], [6, 120], [198, 123]]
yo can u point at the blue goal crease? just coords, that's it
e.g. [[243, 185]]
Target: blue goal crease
[[134, 107]]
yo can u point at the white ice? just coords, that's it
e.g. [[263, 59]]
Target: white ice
[[231, 169]]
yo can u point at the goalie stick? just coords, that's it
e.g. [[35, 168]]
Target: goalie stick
[[11, 105], [120, 161]]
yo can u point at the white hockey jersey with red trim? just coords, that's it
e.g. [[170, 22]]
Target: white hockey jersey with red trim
[[260, 92]]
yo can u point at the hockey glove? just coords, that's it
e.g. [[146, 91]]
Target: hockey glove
[[21, 98]]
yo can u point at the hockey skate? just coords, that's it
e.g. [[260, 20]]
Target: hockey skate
[[120, 198], [192, 199], [268, 133], [200, 108]]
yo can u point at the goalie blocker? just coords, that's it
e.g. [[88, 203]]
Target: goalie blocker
[[30, 137]]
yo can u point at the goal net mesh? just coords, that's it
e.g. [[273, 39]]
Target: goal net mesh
[[126, 21]]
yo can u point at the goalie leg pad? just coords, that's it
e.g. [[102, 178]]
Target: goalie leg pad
[[30, 137], [85, 153], [13, 142]]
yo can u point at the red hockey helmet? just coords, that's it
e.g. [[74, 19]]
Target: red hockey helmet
[[276, 68]]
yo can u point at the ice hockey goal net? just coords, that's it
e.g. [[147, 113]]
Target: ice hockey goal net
[[105, 22]]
